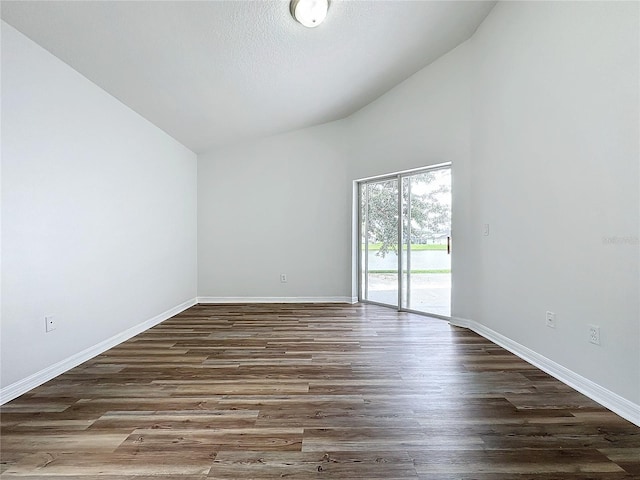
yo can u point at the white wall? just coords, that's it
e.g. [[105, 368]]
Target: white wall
[[276, 205], [98, 213], [538, 112], [555, 159]]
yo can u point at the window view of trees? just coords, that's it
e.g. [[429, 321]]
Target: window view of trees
[[430, 211]]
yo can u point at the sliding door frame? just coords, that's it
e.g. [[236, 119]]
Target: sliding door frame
[[363, 289]]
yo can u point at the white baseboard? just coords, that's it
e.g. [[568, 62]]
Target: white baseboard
[[20, 387], [277, 300], [608, 399]]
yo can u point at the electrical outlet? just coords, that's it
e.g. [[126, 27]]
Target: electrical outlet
[[49, 323], [594, 334], [283, 278], [551, 319]]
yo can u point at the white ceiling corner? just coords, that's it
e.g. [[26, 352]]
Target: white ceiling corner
[[214, 72]]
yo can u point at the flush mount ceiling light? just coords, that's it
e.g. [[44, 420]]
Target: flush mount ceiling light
[[309, 13]]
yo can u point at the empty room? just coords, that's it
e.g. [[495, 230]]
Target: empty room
[[375, 239]]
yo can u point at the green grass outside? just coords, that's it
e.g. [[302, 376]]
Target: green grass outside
[[412, 271], [414, 247]]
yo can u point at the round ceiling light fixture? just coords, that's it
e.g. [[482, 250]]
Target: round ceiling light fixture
[[309, 13]]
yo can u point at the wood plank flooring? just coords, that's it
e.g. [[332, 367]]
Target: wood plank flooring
[[311, 392]]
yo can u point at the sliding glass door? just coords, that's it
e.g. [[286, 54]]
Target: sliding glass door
[[405, 248]]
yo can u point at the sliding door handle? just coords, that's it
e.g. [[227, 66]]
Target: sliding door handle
[[448, 245]]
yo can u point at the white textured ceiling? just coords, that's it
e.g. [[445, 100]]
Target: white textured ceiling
[[214, 72]]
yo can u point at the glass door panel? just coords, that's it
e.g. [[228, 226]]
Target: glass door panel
[[379, 242], [426, 241]]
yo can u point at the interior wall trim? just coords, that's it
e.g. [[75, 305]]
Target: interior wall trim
[[278, 300], [605, 397], [21, 387]]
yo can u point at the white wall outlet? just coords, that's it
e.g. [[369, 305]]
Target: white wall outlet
[[485, 229], [283, 278], [551, 319], [49, 323], [594, 334]]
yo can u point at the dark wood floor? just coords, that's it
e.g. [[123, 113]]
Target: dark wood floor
[[311, 391]]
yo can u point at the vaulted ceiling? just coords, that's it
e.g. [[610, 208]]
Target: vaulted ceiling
[[214, 72]]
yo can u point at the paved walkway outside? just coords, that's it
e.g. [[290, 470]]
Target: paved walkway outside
[[430, 292]]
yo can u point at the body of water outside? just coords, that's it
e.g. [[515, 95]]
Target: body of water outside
[[420, 260]]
